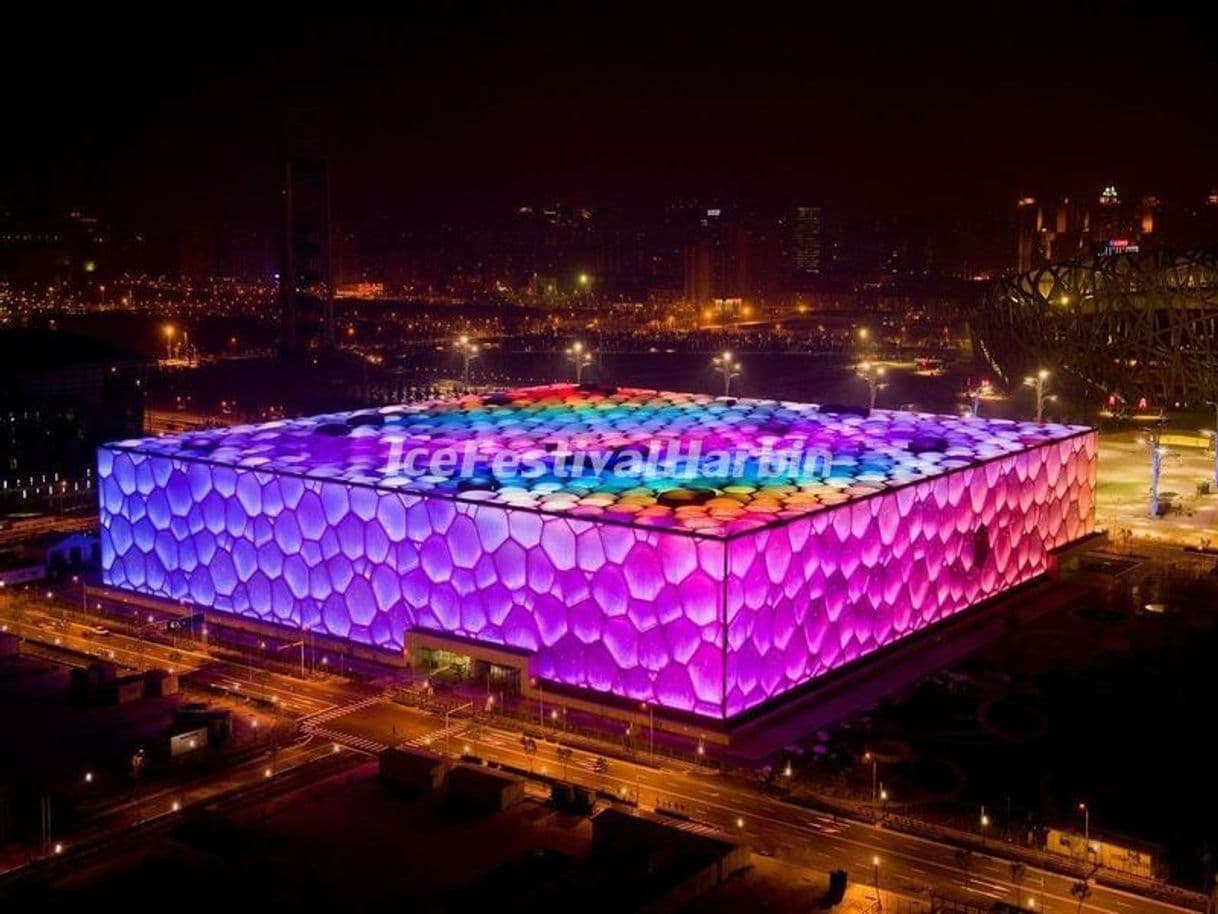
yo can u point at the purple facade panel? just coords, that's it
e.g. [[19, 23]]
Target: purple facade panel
[[635, 612]]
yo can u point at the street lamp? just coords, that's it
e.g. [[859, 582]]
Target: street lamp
[[875, 863], [170, 330], [1037, 383], [580, 357], [1157, 453], [875, 771], [975, 394], [1082, 807], [1214, 403], [727, 365], [541, 702], [872, 375], [469, 351]]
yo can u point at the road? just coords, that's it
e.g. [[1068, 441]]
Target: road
[[51, 632], [333, 710], [25, 530], [55, 627], [159, 805], [908, 865]]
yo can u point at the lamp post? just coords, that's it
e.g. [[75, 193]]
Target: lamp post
[[727, 365], [580, 357], [469, 352], [1037, 383], [872, 375], [1082, 807], [1157, 453], [1214, 403], [875, 773], [879, 902], [975, 394], [985, 821], [169, 332]]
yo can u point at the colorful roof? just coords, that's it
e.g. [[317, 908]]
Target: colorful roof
[[713, 466]]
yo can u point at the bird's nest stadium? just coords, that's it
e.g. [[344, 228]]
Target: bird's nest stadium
[[1133, 325]]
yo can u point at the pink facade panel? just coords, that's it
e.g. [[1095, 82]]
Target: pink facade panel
[[809, 596]]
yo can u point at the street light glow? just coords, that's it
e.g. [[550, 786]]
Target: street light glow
[[726, 364], [580, 357], [872, 375]]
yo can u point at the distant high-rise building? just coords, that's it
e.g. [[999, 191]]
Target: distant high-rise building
[[736, 274], [807, 240], [699, 273], [1028, 229], [1075, 227], [305, 264]]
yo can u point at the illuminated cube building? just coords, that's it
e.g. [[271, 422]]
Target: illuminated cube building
[[708, 595]]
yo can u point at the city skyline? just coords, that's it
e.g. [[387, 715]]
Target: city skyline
[[446, 118]]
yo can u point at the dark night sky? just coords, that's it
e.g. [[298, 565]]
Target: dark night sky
[[170, 118]]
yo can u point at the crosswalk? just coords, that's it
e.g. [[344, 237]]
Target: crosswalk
[[350, 740], [427, 740], [314, 724], [320, 717], [698, 828]]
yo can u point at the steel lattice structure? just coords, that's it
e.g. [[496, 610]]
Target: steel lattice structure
[[1138, 325]]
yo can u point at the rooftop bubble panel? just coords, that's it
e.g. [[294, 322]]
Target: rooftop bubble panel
[[860, 455]]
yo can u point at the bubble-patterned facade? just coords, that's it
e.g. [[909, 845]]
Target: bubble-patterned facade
[[707, 594]]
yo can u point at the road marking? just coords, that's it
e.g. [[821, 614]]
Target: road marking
[[436, 736], [328, 714], [353, 742]]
